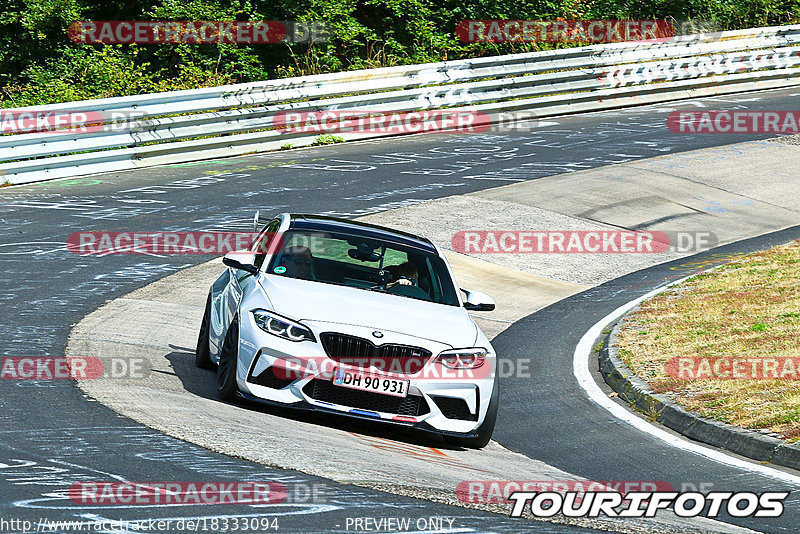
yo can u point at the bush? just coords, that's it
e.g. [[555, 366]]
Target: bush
[[38, 63], [327, 139]]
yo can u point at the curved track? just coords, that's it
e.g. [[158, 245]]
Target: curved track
[[588, 440], [52, 436]]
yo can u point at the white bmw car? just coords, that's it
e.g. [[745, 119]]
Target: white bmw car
[[340, 316]]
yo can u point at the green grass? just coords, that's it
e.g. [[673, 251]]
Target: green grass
[[327, 139], [747, 309]]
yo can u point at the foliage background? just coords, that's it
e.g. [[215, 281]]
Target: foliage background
[[38, 63]]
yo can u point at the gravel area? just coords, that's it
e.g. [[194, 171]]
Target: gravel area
[[786, 139]]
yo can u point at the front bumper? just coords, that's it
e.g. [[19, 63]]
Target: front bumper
[[435, 403]]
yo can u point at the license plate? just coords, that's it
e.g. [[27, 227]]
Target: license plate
[[369, 382]]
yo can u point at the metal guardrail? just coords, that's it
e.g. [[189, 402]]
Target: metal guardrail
[[189, 125]]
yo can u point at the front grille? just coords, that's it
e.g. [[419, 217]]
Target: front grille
[[362, 352], [325, 391], [454, 408], [339, 346]]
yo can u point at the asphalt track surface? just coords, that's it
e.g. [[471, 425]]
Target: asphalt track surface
[[583, 438], [51, 436]]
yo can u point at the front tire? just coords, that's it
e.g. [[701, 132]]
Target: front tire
[[228, 358], [487, 427], [202, 354]]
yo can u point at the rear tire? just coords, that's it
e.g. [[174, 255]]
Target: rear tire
[[487, 427], [202, 354], [228, 358]]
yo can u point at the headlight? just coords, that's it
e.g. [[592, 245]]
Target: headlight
[[274, 324], [463, 358]]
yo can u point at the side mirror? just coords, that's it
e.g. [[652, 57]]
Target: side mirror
[[242, 260], [477, 301]]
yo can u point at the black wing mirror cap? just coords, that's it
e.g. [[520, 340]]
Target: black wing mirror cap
[[477, 301], [241, 260]]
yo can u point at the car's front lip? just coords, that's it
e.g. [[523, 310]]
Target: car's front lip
[[305, 406], [297, 394]]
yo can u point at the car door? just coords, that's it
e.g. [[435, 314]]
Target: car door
[[219, 318], [227, 291]]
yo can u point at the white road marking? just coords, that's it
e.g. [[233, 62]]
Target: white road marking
[[85, 468], [580, 368]]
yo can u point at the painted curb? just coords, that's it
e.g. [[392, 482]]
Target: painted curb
[[749, 443]]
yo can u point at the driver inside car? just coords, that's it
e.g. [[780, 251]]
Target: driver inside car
[[404, 274], [406, 278], [298, 261]]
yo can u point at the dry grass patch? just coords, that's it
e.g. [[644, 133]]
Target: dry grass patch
[[746, 309]]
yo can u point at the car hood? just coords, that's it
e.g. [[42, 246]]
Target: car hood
[[317, 301]]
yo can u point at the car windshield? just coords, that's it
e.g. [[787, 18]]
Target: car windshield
[[364, 263]]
